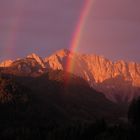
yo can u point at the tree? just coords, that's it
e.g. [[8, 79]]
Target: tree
[[134, 113]]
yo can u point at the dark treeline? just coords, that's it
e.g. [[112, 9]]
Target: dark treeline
[[26, 116], [51, 130]]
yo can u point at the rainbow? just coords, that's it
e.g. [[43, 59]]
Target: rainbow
[[14, 26], [78, 33]]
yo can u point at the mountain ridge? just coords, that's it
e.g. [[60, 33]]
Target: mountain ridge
[[118, 80]]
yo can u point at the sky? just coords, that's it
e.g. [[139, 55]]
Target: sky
[[112, 28]]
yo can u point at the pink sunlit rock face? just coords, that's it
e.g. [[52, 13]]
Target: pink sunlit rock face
[[6, 63], [119, 80]]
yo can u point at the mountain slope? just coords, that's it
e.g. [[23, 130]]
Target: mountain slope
[[43, 106], [32, 65], [50, 98], [6, 63], [119, 81]]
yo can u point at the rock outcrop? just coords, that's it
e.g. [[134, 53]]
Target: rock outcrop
[[6, 63], [119, 81]]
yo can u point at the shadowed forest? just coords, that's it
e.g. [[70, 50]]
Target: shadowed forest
[[43, 108]]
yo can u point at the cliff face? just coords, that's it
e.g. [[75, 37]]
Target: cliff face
[[6, 63], [32, 65], [119, 81]]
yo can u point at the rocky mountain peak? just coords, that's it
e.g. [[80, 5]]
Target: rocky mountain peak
[[58, 60], [118, 80], [37, 58], [33, 56], [6, 63], [62, 53]]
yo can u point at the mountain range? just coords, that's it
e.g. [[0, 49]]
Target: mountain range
[[119, 81]]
